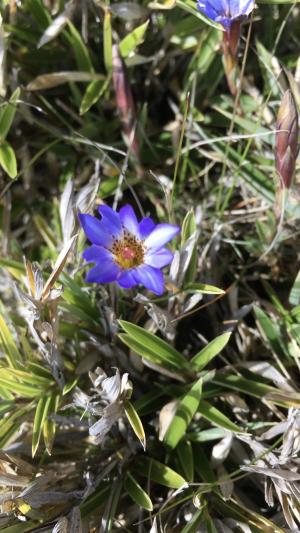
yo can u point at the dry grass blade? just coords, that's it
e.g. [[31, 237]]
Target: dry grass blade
[[58, 267]]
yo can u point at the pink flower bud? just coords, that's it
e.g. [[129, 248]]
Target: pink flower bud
[[286, 144], [125, 102], [230, 45]]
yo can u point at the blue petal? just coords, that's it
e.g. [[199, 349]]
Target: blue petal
[[94, 230], [151, 278], [103, 273], [158, 258], [127, 279], [110, 220], [129, 220], [246, 6], [97, 254], [145, 227], [234, 8], [211, 11], [161, 234]]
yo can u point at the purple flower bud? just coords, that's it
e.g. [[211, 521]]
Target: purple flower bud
[[286, 143], [226, 11]]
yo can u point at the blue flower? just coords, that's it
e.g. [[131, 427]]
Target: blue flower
[[125, 250], [225, 11]]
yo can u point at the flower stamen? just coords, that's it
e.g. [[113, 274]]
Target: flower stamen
[[128, 251]]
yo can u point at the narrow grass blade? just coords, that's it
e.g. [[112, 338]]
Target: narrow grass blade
[[39, 420]]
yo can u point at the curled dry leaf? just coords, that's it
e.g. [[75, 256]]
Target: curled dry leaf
[[66, 211], [59, 265], [221, 450], [108, 403], [61, 525], [53, 79], [57, 25]]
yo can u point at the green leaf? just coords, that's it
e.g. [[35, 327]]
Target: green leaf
[[8, 159], [214, 347], [39, 420], [271, 332], [188, 228], [216, 417], [49, 427], [40, 14], [133, 39], [294, 297], [186, 459], [75, 296], [246, 386], [7, 114], [92, 94], [25, 377], [135, 423], [9, 346], [158, 472], [268, 61], [135, 491], [107, 41], [81, 52], [204, 288], [69, 386], [152, 347], [193, 524], [185, 411], [207, 435], [203, 465]]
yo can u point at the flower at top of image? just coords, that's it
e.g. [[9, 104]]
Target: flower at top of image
[[226, 11], [125, 250]]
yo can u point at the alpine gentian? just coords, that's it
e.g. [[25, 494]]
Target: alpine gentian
[[226, 11], [230, 14], [125, 250]]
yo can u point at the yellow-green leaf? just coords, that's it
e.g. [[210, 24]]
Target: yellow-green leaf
[[204, 288], [158, 472], [213, 348], [186, 459], [135, 491], [135, 422], [152, 347], [49, 427], [107, 41], [133, 39], [9, 346], [8, 159], [39, 419], [92, 94], [185, 411], [217, 418], [8, 113]]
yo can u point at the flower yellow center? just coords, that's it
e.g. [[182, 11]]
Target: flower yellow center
[[128, 251]]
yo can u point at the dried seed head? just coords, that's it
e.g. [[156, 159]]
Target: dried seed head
[[286, 146]]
